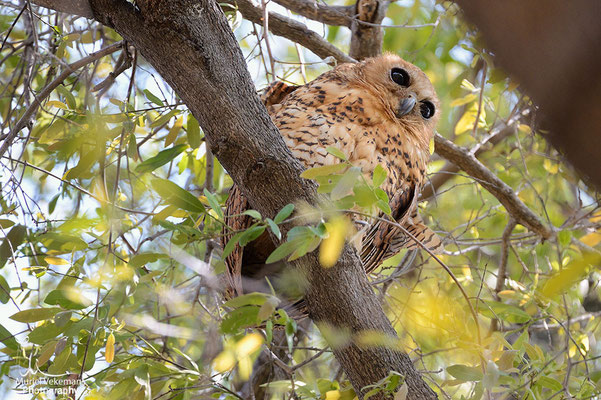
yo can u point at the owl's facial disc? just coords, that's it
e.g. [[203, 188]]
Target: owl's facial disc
[[406, 105]]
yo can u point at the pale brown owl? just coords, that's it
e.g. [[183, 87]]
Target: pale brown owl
[[382, 110]]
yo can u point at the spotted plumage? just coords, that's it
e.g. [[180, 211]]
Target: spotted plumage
[[383, 111]]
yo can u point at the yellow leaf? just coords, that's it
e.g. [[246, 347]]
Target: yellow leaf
[[333, 395], [432, 146], [550, 167], [596, 217], [463, 100], [109, 351], [524, 128], [248, 345], [468, 119], [465, 84], [592, 239], [245, 368], [57, 104], [56, 261], [175, 129], [224, 362], [570, 274], [331, 247]]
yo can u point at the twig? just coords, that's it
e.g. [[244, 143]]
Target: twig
[[50, 87], [497, 135], [505, 244], [506, 196], [74, 186], [292, 30]]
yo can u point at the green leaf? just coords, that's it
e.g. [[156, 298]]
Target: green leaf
[[35, 314], [549, 383], [4, 290], [13, 239], [84, 165], [193, 131], [570, 274], [162, 158], [240, 318], [337, 153], [345, 185], [379, 175], [163, 119], [505, 312], [46, 352], [465, 373], [384, 206], [284, 213], [267, 308], [61, 243], [175, 195], [67, 299], [8, 339], [251, 234], [69, 98], [6, 223], [52, 203], [249, 299], [564, 238], [290, 331], [231, 244], [282, 251], [144, 258], [274, 228], [325, 170], [153, 98], [253, 214], [214, 203]]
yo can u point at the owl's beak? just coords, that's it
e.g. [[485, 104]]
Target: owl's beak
[[406, 105]]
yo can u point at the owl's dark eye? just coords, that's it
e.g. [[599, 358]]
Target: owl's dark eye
[[427, 109], [399, 76]]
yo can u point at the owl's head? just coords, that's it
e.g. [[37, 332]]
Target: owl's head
[[404, 90]]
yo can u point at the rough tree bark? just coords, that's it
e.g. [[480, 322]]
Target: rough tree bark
[[191, 45], [366, 39]]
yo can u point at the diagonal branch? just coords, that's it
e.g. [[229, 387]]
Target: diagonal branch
[[75, 7], [331, 15], [506, 196], [497, 135], [39, 98], [291, 30]]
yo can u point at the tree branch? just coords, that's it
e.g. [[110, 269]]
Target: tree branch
[[39, 98], [506, 196], [449, 170], [75, 7], [331, 15], [366, 39], [292, 30]]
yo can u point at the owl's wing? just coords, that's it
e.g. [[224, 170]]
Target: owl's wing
[[384, 240], [237, 203], [276, 92]]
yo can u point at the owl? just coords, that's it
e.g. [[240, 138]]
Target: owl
[[381, 111]]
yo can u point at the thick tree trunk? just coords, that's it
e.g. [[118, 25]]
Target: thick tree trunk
[[551, 47], [191, 45]]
